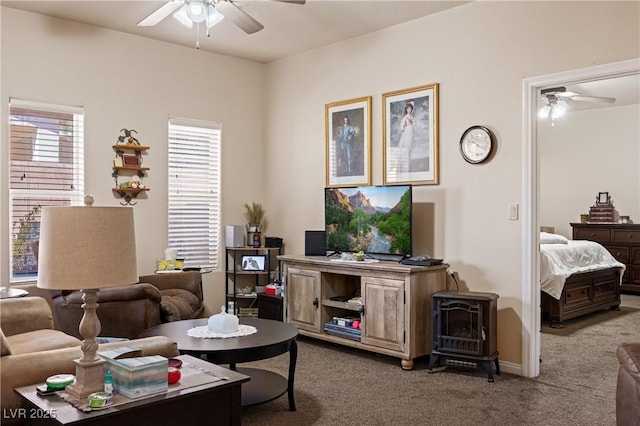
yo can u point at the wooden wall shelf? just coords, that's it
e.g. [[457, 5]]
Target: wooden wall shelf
[[138, 168], [127, 171], [130, 189], [129, 194], [131, 147]]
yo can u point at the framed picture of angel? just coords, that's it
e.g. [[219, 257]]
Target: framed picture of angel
[[410, 136]]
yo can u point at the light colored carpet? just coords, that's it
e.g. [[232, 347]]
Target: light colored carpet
[[335, 385]]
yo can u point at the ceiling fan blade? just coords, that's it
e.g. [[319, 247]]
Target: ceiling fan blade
[[239, 17], [160, 13], [567, 94], [593, 99], [292, 1], [553, 90]]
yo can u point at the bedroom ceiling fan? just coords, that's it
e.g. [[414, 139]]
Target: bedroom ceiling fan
[[555, 101], [209, 12], [556, 93]]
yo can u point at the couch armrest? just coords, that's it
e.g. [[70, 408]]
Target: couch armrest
[[628, 385], [24, 314], [189, 280], [629, 358]]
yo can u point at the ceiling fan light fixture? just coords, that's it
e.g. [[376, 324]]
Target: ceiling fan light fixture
[[554, 108], [181, 16], [213, 17], [558, 110], [197, 10], [543, 113]]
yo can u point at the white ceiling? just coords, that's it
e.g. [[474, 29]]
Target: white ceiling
[[288, 28]]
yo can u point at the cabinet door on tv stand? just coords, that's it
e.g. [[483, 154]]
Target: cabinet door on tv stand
[[383, 322], [303, 299]]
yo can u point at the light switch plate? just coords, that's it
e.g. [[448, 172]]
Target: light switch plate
[[513, 212]]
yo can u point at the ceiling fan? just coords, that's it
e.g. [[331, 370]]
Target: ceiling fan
[[555, 101], [555, 94], [227, 8]]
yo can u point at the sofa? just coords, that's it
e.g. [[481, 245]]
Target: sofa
[[33, 350], [628, 387], [127, 311]]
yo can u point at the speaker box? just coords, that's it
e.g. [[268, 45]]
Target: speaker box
[[314, 243], [234, 236], [273, 242]]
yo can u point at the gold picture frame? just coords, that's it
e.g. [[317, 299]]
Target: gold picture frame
[[348, 142], [410, 136]]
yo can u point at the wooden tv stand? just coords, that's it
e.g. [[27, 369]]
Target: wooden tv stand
[[395, 310]]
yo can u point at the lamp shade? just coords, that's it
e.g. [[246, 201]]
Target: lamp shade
[[87, 248]]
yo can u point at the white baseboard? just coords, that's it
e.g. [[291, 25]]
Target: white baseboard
[[511, 368]]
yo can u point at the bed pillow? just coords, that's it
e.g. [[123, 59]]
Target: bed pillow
[[547, 238]]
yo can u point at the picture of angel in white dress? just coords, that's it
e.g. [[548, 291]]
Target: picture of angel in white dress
[[411, 136], [406, 136]]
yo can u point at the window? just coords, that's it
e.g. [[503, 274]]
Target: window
[[194, 191], [46, 163]]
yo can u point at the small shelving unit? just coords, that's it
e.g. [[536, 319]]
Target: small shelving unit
[[241, 297], [129, 158]]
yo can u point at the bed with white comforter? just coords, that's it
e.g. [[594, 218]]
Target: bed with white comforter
[[559, 261], [577, 277]]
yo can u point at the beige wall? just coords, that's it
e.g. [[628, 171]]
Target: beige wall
[[584, 153], [127, 81], [479, 53]]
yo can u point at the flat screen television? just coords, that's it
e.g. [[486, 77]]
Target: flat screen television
[[372, 219]]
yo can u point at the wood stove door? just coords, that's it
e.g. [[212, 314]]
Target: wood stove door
[[383, 319], [459, 327]]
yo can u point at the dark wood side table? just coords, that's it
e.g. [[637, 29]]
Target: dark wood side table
[[221, 400], [272, 338]]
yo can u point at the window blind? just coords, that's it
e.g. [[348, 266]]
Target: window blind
[[194, 191], [46, 166]]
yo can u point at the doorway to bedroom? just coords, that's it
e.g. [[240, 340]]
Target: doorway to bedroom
[[562, 157]]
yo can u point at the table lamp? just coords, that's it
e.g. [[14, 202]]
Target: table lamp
[[87, 248]]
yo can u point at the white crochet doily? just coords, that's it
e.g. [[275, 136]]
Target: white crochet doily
[[203, 332]]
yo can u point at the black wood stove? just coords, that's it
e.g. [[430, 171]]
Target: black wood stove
[[465, 330]]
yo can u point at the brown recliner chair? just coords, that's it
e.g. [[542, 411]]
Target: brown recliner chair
[[628, 388], [181, 294], [129, 310]]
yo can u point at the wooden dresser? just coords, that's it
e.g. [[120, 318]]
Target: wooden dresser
[[623, 242]]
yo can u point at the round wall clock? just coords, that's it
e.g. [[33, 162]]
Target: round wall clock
[[476, 144]]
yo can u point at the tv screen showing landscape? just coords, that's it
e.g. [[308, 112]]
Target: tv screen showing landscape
[[372, 219]]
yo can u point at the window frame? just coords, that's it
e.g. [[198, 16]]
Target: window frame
[[38, 197], [195, 192]]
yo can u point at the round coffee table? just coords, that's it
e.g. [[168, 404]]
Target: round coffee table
[[272, 338]]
